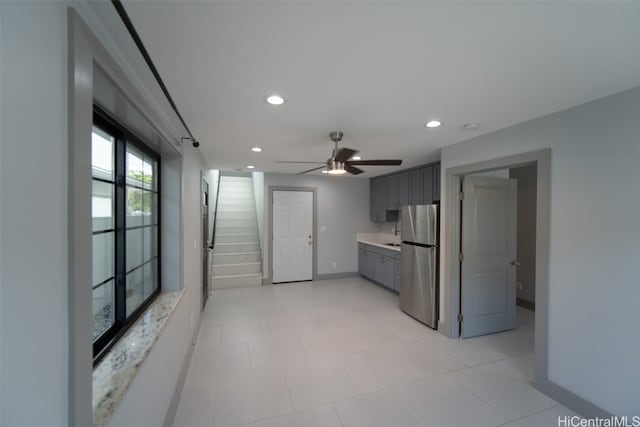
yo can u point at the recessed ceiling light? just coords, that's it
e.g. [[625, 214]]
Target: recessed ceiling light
[[251, 167], [356, 158], [275, 100], [325, 171], [471, 126], [433, 123], [256, 149]]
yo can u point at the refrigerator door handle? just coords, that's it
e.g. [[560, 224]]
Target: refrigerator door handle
[[422, 245]]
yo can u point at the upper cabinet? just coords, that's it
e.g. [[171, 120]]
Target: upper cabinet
[[393, 192], [436, 183], [403, 190], [378, 199], [420, 186], [416, 187], [427, 190]]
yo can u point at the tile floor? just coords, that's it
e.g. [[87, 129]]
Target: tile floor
[[340, 353]]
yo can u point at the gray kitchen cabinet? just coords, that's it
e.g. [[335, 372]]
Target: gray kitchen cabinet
[[379, 265], [420, 186], [436, 183], [416, 187], [378, 199], [428, 185], [403, 188], [392, 187], [389, 278]]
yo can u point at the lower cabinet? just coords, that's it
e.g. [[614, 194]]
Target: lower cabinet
[[380, 265]]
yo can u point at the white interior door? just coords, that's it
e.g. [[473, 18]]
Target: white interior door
[[292, 236], [488, 271]]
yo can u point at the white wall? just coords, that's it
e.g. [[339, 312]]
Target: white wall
[[594, 241], [343, 208], [33, 226], [257, 178]]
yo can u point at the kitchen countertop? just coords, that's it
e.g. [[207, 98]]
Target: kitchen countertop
[[379, 239]]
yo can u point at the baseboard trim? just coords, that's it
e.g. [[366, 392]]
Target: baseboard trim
[[175, 400], [333, 276], [526, 304], [571, 400]]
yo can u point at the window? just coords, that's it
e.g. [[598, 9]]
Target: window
[[126, 240]]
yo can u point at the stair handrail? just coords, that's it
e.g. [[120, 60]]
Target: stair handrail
[[215, 212]]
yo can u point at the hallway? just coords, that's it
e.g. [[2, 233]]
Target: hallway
[[341, 353]]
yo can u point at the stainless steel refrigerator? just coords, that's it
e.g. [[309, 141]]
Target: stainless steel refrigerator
[[419, 258]]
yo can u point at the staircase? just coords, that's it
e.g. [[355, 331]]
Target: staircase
[[237, 262]]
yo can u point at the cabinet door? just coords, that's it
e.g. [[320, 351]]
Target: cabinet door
[[378, 199], [428, 185], [403, 189], [436, 183], [371, 265], [378, 268], [393, 193], [362, 259], [389, 272], [416, 185]]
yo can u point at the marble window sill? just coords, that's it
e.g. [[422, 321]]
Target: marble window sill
[[114, 373]]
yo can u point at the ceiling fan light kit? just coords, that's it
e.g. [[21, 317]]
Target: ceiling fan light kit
[[343, 161]]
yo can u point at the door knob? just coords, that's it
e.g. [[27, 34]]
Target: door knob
[[515, 262]]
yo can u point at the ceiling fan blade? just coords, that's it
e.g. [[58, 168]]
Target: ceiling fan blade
[[375, 162], [344, 154], [353, 170], [292, 161], [310, 170]]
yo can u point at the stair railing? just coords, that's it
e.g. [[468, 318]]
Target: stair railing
[[215, 212]]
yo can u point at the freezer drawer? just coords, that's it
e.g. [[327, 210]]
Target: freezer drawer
[[418, 287]]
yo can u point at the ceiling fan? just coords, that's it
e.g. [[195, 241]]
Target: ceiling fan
[[340, 163]]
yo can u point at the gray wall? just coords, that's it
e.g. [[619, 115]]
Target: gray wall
[[343, 208], [594, 241], [34, 274], [527, 188], [33, 222]]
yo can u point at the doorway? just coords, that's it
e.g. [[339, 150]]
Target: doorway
[[451, 301], [293, 242], [488, 263]]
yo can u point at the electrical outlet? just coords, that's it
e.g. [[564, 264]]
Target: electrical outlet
[[520, 287]]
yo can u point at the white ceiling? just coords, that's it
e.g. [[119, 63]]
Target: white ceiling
[[378, 71]]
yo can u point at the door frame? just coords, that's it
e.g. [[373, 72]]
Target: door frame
[[314, 210], [450, 282]]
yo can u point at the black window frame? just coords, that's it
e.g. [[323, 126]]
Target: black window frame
[[123, 138]]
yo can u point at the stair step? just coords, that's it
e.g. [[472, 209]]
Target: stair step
[[236, 258], [236, 222], [221, 270], [239, 281], [230, 248], [237, 238], [235, 215], [235, 229]]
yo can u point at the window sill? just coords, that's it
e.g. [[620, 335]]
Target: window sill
[[114, 373]]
